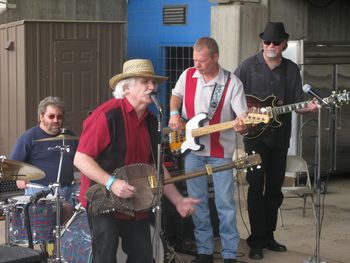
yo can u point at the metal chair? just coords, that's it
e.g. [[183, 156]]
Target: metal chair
[[297, 168]]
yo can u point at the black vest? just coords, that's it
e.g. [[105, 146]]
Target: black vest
[[114, 155]]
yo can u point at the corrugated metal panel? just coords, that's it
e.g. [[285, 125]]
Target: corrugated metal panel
[[12, 102], [29, 73]]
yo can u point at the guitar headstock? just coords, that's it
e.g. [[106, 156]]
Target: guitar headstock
[[338, 99], [256, 118], [247, 161]]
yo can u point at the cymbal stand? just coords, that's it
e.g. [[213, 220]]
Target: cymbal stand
[[57, 249]]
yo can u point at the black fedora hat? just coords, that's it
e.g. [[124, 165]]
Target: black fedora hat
[[274, 31]]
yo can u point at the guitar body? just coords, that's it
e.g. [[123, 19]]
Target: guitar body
[[140, 175], [191, 142], [255, 105]]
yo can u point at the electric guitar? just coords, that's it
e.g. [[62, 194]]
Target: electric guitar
[[269, 107], [186, 139]]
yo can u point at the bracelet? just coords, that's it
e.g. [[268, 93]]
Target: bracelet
[[174, 112], [110, 182]]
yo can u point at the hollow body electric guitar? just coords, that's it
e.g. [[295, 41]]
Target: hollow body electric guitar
[[268, 106], [143, 178], [186, 139]]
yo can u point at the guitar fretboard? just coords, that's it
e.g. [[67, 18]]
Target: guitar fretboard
[[289, 108]]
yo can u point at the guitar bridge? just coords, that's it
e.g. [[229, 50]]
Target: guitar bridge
[[152, 181]]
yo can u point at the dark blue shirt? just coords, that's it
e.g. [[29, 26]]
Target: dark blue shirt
[[45, 155]]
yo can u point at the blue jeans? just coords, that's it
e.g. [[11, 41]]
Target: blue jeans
[[66, 191], [224, 201]]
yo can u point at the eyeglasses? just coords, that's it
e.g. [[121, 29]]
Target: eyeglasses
[[275, 43], [52, 116]]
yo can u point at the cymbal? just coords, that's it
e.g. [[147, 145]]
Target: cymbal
[[15, 170], [59, 137]]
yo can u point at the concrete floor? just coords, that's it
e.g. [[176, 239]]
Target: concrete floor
[[298, 232]]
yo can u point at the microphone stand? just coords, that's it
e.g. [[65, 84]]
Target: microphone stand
[[318, 193], [157, 208]]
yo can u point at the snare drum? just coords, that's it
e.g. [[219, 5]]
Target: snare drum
[[42, 217]]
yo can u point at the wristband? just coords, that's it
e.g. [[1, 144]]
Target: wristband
[[110, 182], [174, 112]]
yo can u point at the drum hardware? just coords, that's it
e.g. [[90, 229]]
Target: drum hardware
[[63, 136], [6, 210]]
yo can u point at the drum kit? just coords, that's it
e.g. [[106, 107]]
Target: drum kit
[[41, 219]]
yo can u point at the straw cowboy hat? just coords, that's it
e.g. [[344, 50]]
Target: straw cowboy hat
[[274, 31], [136, 68]]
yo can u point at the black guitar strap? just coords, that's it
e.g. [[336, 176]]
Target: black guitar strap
[[217, 94]]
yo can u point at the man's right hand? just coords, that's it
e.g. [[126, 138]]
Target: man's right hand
[[21, 184], [174, 122]]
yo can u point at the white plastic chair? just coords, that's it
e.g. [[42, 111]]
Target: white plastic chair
[[296, 167]]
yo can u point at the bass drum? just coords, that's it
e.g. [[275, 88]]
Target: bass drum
[[76, 241]]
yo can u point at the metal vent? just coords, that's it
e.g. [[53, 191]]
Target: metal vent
[[174, 15]]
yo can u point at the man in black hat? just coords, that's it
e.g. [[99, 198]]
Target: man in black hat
[[264, 74]]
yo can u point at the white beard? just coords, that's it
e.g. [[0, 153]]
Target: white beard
[[270, 54]]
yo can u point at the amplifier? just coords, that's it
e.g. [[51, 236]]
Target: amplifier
[[18, 254]]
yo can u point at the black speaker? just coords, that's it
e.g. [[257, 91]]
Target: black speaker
[[18, 254]]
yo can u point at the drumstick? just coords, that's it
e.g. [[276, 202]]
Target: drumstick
[[35, 186]]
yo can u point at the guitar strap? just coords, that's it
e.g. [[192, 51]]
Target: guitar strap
[[217, 94]]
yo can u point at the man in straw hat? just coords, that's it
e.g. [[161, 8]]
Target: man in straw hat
[[200, 89], [118, 133], [264, 74]]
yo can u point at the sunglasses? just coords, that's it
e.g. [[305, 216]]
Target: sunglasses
[[52, 116], [275, 43]]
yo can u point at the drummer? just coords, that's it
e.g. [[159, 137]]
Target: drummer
[[45, 155]]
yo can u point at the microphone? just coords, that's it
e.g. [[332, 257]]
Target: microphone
[[35, 197], [155, 100], [308, 89]]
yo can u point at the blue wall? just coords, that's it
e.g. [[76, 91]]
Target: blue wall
[[147, 34]]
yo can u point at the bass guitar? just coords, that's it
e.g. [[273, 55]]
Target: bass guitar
[[186, 139], [143, 178], [268, 106]]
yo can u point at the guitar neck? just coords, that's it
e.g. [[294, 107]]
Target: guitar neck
[[288, 108], [184, 177], [201, 131], [212, 128], [240, 163]]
